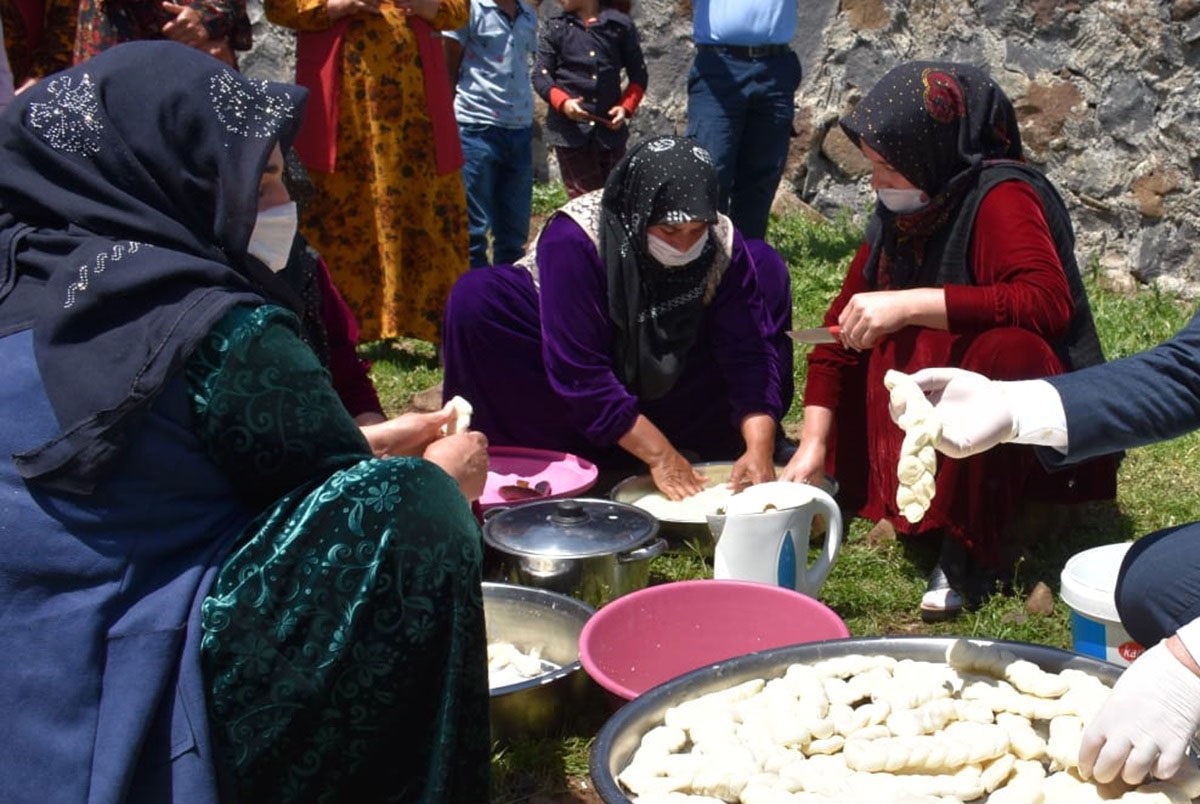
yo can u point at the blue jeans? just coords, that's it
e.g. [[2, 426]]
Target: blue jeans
[[741, 110], [498, 176]]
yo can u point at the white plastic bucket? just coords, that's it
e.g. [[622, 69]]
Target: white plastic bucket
[[1088, 582]]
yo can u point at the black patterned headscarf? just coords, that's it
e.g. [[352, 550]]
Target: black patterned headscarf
[[937, 124], [128, 194], [656, 310]]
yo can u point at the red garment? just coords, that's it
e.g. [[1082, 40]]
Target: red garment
[[349, 373], [447, 146], [317, 62], [1002, 327]]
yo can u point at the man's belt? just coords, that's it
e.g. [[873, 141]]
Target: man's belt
[[750, 51]]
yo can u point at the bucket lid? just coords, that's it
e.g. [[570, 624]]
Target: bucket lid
[[1089, 580], [570, 528]]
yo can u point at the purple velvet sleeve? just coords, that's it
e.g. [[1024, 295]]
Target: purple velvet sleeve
[[576, 333], [738, 327], [577, 336]]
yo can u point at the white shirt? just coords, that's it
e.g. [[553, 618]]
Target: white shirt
[[1037, 414]]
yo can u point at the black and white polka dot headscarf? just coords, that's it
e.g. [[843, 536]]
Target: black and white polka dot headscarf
[[655, 310]]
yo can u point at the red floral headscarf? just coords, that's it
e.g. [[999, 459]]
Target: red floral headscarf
[[937, 123]]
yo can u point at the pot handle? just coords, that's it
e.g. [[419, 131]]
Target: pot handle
[[497, 509], [653, 550]]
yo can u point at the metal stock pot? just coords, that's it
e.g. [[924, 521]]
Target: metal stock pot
[[591, 549]]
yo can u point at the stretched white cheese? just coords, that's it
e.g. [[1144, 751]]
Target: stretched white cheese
[[960, 744], [1066, 735], [918, 461], [1027, 677], [462, 416]]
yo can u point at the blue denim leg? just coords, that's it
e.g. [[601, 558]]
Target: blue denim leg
[[513, 194], [1158, 588], [480, 160], [741, 110]]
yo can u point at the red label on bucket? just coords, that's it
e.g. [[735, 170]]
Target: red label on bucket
[[1130, 650]]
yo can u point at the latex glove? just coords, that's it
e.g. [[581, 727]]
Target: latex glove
[[1146, 723], [975, 413]]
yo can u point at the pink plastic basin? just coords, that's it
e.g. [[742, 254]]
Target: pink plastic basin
[[655, 634]]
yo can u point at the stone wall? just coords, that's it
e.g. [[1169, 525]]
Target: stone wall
[[1106, 91]]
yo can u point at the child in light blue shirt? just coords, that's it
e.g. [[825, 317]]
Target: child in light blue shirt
[[490, 58]]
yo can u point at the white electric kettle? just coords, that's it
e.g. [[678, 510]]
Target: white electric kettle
[[765, 532]]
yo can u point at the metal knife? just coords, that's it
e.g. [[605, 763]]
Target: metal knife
[[817, 334]]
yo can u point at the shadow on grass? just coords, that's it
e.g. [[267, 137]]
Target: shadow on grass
[[405, 354], [531, 768]]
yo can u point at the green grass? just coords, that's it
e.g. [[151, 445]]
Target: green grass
[[547, 198], [875, 588]]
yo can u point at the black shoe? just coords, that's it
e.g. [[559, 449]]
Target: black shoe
[[940, 601], [943, 598], [982, 584]]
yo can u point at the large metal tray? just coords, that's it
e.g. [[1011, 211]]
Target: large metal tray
[[619, 737]]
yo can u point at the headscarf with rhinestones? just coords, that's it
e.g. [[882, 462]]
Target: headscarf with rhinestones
[[127, 200], [656, 310], [937, 123]]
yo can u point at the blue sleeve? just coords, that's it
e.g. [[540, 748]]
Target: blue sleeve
[[1141, 399]]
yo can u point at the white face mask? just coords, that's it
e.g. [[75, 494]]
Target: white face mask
[[903, 202], [668, 255], [274, 231]]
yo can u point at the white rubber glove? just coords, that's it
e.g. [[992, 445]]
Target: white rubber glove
[[1146, 723], [975, 413]]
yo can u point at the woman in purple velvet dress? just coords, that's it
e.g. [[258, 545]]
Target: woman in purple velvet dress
[[642, 329]]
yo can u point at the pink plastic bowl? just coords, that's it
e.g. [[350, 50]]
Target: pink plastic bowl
[[646, 637]]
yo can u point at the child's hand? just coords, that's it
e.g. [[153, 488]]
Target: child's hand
[[572, 109], [186, 28], [617, 117]]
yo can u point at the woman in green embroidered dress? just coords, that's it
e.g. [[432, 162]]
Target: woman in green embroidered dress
[[245, 603]]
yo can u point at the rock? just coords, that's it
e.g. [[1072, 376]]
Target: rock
[[427, 400], [882, 533], [1040, 600]]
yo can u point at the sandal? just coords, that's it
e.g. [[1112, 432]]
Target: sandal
[[943, 598], [940, 601]]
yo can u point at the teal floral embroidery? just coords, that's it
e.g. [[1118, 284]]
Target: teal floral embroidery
[[311, 411], [349, 620], [384, 497]]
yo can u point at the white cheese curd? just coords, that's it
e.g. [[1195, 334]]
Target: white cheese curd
[[690, 509], [508, 664], [984, 726]]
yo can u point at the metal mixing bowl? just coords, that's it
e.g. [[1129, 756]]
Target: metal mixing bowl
[[621, 735], [535, 618]]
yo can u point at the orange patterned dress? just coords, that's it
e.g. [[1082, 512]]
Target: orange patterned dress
[[391, 228]]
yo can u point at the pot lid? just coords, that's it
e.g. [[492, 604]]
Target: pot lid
[[568, 528]]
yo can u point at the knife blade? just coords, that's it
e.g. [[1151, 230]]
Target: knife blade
[[817, 334]]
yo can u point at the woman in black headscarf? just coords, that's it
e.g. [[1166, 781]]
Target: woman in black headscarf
[[968, 261], [641, 328], [210, 588]]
